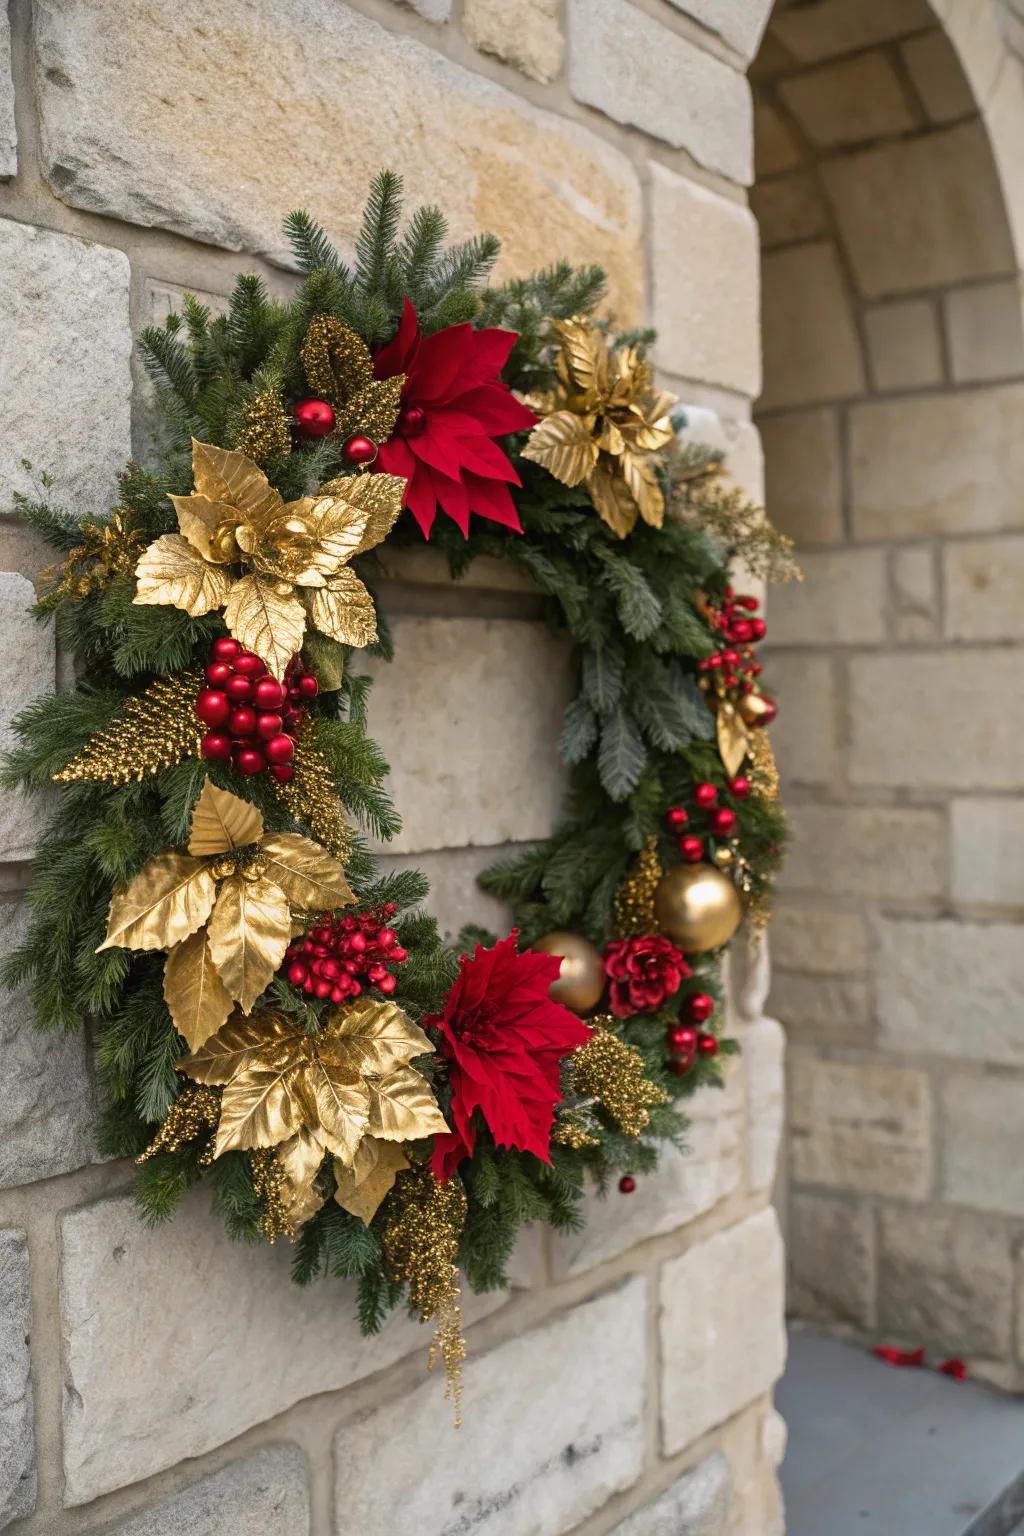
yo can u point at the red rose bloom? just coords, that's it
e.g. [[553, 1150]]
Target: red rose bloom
[[453, 406], [642, 973], [503, 1038]]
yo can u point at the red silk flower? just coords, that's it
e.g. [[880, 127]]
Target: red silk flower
[[643, 972], [453, 406], [503, 1038]]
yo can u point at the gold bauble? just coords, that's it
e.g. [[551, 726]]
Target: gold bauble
[[698, 907], [757, 709], [580, 983]]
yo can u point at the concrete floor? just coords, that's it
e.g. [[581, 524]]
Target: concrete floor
[[879, 1451]]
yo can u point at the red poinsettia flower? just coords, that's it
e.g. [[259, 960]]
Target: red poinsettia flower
[[643, 972], [453, 406], [504, 1039]]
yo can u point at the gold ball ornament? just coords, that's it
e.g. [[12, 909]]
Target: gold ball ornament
[[698, 907], [757, 709], [580, 983]]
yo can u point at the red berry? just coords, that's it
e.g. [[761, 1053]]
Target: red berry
[[224, 648], [313, 418], [682, 1038], [280, 749], [677, 817], [292, 718], [723, 820], [412, 420], [249, 665], [212, 707], [387, 986], [740, 787], [268, 693], [627, 1184], [680, 1065], [216, 747], [699, 1006], [386, 938], [242, 721], [308, 686], [238, 688], [359, 450], [217, 673], [731, 658], [250, 760], [297, 973], [707, 1044], [758, 629], [742, 631], [747, 601], [282, 772], [321, 989], [268, 726], [692, 849], [705, 795]]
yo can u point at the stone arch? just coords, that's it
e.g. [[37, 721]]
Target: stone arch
[[890, 197]]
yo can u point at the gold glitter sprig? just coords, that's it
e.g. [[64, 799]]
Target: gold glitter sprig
[[309, 797], [339, 368], [270, 1184], [265, 431], [764, 773], [107, 553], [194, 1111], [634, 899], [609, 1070], [154, 730], [572, 1130]]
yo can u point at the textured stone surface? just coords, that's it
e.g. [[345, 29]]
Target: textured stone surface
[[987, 851], [764, 1047], [145, 1389], [921, 212], [686, 1184], [46, 1108], [946, 1280], [490, 773], [640, 72], [65, 356], [806, 738], [709, 1372], [860, 1125], [28, 667], [875, 851], [265, 1493], [172, 145], [941, 463], [552, 1428], [788, 208], [696, 1505], [938, 77], [455, 897], [8, 133], [739, 23], [831, 1246], [818, 941], [831, 27], [525, 33], [810, 342], [904, 344], [775, 146], [983, 581], [803, 476], [951, 989], [848, 102], [981, 1161], [916, 610], [974, 686], [704, 261], [833, 1009], [17, 1446], [984, 324], [840, 601]]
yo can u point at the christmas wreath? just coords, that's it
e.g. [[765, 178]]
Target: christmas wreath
[[273, 1015]]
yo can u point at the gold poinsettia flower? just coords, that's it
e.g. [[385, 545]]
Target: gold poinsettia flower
[[222, 910], [273, 566], [601, 425], [348, 1092]]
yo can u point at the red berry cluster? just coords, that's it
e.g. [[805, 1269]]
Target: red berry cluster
[[706, 819], [251, 718], [735, 663], [338, 958], [685, 1041]]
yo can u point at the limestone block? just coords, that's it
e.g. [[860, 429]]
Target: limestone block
[[704, 261], [477, 764], [552, 1428], [525, 33], [986, 337], [8, 132], [904, 344], [818, 941], [841, 600], [803, 473], [697, 1504], [775, 147], [431, 10], [983, 581], [686, 1183], [832, 1008], [987, 838], [639, 72], [806, 738], [710, 1371], [874, 851], [848, 102], [764, 1046], [946, 1280], [810, 341], [939, 463], [28, 667], [921, 212], [974, 686], [65, 360], [46, 1108], [739, 23], [455, 898], [916, 612], [938, 77], [266, 1492], [831, 1245], [950, 989], [788, 208], [216, 1339], [17, 1442], [860, 1125], [22, 549], [981, 1162], [832, 27], [173, 147]]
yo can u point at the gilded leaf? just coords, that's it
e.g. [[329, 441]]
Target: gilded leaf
[[372, 1037], [380, 496], [198, 519], [586, 356], [265, 1040], [222, 821], [403, 1107], [248, 935], [223, 475], [171, 571], [344, 610], [197, 998], [642, 482], [299, 1158], [337, 526], [564, 445], [733, 738], [342, 1105], [266, 621], [169, 898], [612, 501], [261, 1107], [361, 1188], [308, 875]]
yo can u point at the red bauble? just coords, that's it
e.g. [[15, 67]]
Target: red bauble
[[680, 1065], [268, 726], [248, 665], [707, 1044], [313, 418], [412, 420], [704, 795], [677, 817], [215, 747], [249, 760], [758, 629], [242, 722], [217, 673], [742, 631], [238, 687], [627, 1184], [268, 694], [359, 450], [282, 772], [308, 686], [280, 749], [225, 648], [722, 820], [692, 849], [682, 1039], [739, 787], [212, 707], [699, 1006]]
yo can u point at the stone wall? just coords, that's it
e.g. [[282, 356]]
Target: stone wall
[[165, 1380], [891, 421]]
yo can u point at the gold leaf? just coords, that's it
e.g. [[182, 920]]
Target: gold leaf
[[644, 488], [733, 738], [373, 1037], [308, 875], [361, 1188], [380, 496], [403, 1107], [266, 621], [223, 475], [198, 519], [586, 355], [342, 1105], [563, 444], [197, 998], [266, 1040], [336, 529], [612, 500], [261, 1107], [169, 898], [222, 821], [248, 935], [344, 610], [299, 1159], [171, 571]]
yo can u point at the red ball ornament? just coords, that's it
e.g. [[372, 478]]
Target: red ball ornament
[[238, 687], [248, 665], [268, 726], [280, 749], [705, 795], [268, 694], [225, 648], [217, 673], [742, 631], [707, 1044], [359, 450], [308, 686], [242, 722], [692, 849], [313, 418], [250, 760], [627, 1184], [680, 1065], [739, 787], [699, 1006], [677, 817], [212, 707], [723, 820], [282, 772], [682, 1039], [758, 629], [215, 747], [412, 420]]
